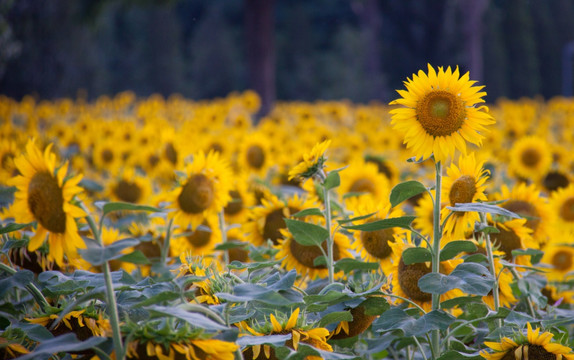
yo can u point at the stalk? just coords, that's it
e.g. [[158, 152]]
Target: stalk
[[490, 256], [330, 262], [223, 236], [166, 243], [36, 293], [436, 250]]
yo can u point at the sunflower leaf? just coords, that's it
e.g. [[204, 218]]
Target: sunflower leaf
[[135, 257], [249, 340], [123, 206], [307, 234], [332, 181], [344, 221], [19, 280], [457, 355], [405, 191], [230, 245], [308, 212], [402, 222], [398, 319], [195, 319], [375, 306], [416, 255], [471, 278], [97, 255], [454, 248], [484, 208], [335, 317], [535, 255], [484, 228], [347, 265], [64, 343], [14, 227]]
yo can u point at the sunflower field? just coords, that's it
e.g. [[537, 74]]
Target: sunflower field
[[434, 227]]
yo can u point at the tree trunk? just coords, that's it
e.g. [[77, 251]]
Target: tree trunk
[[472, 13]]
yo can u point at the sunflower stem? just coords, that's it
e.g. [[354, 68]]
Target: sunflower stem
[[223, 236], [330, 264], [112, 304], [166, 243], [420, 347], [490, 255], [436, 252], [36, 293]]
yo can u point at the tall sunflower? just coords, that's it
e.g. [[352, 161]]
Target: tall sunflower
[[534, 346], [439, 113], [45, 195], [204, 191], [464, 183]]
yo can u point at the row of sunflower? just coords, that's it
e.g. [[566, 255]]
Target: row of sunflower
[[218, 238]]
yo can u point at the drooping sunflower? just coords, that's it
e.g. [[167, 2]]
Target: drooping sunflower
[[562, 205], [204, 191], [525, 200], [45, 195], [439, 113], [84, 324], [374, 246], [312, 164], [464, 183], [302, 258], [534, 346], [294, 325], [405, 278], [530, 158]]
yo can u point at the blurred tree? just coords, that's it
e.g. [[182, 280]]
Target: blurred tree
[[473, 14], [495, 55]]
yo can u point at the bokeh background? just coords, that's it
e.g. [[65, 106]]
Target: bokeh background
[[359, 50]]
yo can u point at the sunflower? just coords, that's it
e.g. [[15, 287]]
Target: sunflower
[[347, 329], [562, 205], [439, 113], [294, 325], [424, 211], [238, 208], [374, 246], [45, 195], [525, 200], [559, 254], [363, 178], [268, 219], [534, 346], [205, 190], [558, 294], [530, 158], [11, 350], [81, 322], [555, 179], [107, 155], [255, 154], [200, 240], [130, 187], [386, 166], [302, 258], [313, 163], [8, 152], [513, 235], [464, 183], [405, 278]]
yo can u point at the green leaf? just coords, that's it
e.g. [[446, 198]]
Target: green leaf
[[320, 261], [416, 255], [14, 227], [329, 298], [238, 265], [159, 298], [230, 245], [458, 301], [97, 255], [307, 234], [195, 319], [249, 340], [64, 343], [484, 208], [484, 228], [458, 355], [308, 212], [402, 222], [535, 255], [253, 292], [332, 181], [344, 221], [123, 206], [453, 248], [405, 191], [398, 319], [91, 185], [375, 306], [471, 278], [19, 280], [347, 265], [335, 317], [477, 258], [135, 257]]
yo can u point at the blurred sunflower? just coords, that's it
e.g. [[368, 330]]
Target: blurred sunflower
[[313, 163], [530, 158], [294, 325], [107, 155], [562, 205], [533, 346], [237, 209], [130, 187], [46, 196], [8, 152], [513, 235], [374, 246], [559, 254], [363, 178], [386, 166], [200, 240], [302, 258], [555, 179], [347, 329], [464, 183], [204, 191], [254, 154], [84, 324], [439, 113]]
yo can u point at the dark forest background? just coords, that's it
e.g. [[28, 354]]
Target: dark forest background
[[287, 49]]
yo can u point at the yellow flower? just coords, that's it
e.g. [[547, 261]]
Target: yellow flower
[[559, 254], [193, 349], [530, 158], [439, 113], [45, 195], [313, 162], [562, 204]]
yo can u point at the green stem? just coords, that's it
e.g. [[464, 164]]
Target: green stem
[[36, 293], [330, 262], [166, 243], [436, 250], [223, 236], [528, 300], [407, 301], [463, 324], [112, 304], [490, 256], [420, 347]]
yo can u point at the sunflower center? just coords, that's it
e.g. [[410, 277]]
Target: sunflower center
[[149, 248], [200, 237], [153, 160], [107, 156], [238, 253], [363, 185], [555, 180], [507, 241], [409, 276], [382, 167], [274, 222], [128, 191], [530, 157], [46, 202], [537, 352], [441, 113], [462, 190], [197, 194], [235, 205], [216, 147], [562, 260], [6, 159], [377, 242], [255, 156], [526, 209], [170, 153], [306, 255], [567, 210]]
